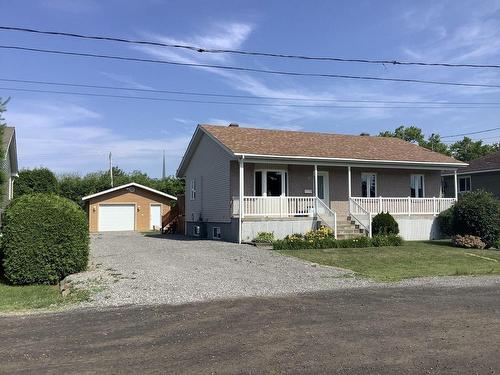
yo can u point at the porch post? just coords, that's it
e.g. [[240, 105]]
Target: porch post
[[349, 180], [315, 189], [241, 195], [456, 185]]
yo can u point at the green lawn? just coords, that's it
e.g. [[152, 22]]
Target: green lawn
[[32, 297], [413, 259]]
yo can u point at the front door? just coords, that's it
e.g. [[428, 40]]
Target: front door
[[323, 187], [155, 218]]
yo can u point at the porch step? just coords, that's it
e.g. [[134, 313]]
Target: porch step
[[349, 229]]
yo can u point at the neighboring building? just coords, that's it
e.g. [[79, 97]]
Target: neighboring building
[[10, 166], [129, 207], [288, 182], [481, 174]]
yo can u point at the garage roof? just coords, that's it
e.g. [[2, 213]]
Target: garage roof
[[134, 184]]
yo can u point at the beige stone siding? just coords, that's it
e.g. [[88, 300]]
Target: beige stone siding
[[142, 199]]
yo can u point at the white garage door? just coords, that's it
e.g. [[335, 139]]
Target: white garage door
[[116, 217]]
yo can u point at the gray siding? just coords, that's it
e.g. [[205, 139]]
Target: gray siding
[[209, 167], [390, 182], [396, 182], [489, 181]]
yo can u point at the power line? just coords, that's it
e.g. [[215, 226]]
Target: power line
[[178, 92], [242, 52], [471, 133], [232, 103], [255, 70]]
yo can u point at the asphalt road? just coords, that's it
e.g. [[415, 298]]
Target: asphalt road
[[364, 331]]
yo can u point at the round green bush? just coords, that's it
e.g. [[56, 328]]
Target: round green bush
[[478, 214], [45, 239], [384, 223], [445, 222]]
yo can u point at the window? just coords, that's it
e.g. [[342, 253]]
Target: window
[[270, 183], [368, 185], [464, 184], [192, 190], [258, 183], [417, 186], [216, 233], [196, 231]]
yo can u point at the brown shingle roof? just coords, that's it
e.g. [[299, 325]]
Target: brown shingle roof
[[488, 162], [242, 140]]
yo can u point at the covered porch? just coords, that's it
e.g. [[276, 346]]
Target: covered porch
[[332, 193]]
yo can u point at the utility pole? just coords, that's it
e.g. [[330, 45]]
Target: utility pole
[[164, 174], [111, 168]]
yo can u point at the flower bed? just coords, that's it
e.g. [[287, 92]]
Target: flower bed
[[324, 239]]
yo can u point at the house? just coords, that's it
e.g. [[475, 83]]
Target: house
[[10, 166], [241, 181], [481, 174], [129, 207]]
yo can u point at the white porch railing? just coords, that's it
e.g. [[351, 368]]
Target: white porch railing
[[275, 206], [361, 216], [402, 206], [327, 215]]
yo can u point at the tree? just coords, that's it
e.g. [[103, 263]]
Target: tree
[[3, 178], [74, 187], [434, 143], [414, 134], [467, 149], [38, 180], [409, 134]]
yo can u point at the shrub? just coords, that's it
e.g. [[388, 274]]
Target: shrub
[[384, 223], [468, 241], [38, 180], [445, 222], [354, 242], [387, 240], [496, 245], [264, 237], [312, 240], [478, 214], [318, 234], [45, 239]]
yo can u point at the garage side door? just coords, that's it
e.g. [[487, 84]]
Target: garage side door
[[116, 217]]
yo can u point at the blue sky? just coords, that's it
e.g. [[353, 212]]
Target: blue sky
[[75, 134]]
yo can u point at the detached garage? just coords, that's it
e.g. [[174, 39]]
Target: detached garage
[[130, 207]]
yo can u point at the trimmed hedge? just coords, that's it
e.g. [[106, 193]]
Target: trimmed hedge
[[32, 181], [477, 214], [384, 223], [45, 239], [300, 242]]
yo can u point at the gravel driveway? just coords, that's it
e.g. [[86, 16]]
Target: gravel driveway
[[155, 270]]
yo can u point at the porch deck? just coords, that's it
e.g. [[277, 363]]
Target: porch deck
[[285, 206]]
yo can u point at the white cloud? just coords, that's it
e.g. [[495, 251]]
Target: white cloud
[[129, 81], [70, 138]]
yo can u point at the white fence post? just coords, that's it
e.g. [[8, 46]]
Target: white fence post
[[335, 223], [370, 233], [409, 206], [380, 204], [434, 209]]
